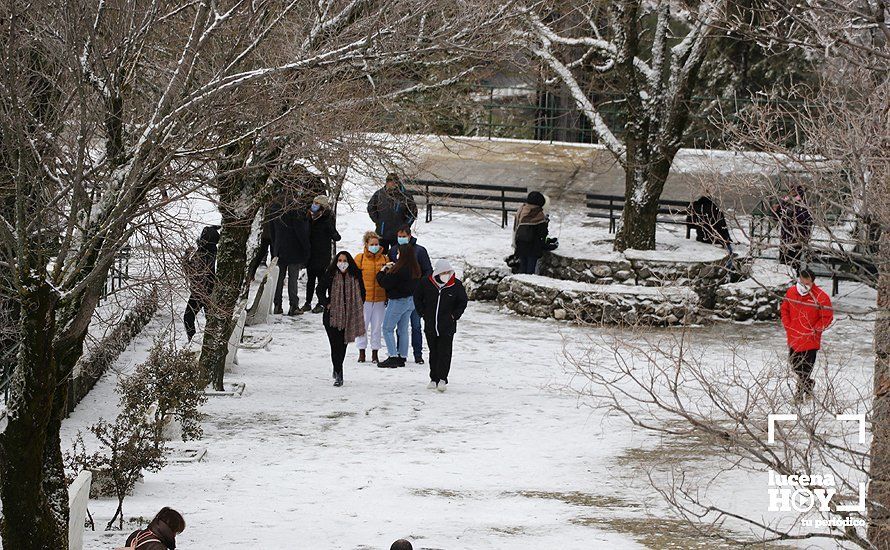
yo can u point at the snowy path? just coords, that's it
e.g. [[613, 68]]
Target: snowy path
[[297, 463]]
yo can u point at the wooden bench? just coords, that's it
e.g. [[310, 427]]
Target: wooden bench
[[610, 207], [475, 196]]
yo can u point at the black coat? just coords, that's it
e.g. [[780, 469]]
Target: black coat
[[390, 210], [709, 222], [290, 236], [440, 307], [200, 266], [321, 233], [397, 285], [423, 257], [529, 239]]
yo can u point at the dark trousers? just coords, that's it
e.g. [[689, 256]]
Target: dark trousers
[[259, 257], [192, 308], [312, 277], [802, 363], [528, 264], [440, 356], [292, 271], [337, 339]]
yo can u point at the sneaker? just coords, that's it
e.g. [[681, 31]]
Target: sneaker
[[390, 362], [418, 359], [402, 361], [432, 385], [442, 386], [306, 307]]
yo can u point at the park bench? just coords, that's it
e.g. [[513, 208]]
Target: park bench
[[610, 207], [474, 196]]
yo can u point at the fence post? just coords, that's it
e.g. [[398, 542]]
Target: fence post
[[429, 206], [490, 109], [503, 209]]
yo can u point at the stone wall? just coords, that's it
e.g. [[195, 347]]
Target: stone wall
[[481, 283], [636, 267], [543, 297], [747, 300]]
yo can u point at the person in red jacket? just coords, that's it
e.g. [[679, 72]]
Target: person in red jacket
[[806, 313]]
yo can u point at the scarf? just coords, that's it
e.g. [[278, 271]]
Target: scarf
[[346, 311], [528, 214]]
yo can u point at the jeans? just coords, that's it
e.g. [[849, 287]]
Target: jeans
[[416, 334], [374, 312], [528, 264], [292, 271], [397, 316]]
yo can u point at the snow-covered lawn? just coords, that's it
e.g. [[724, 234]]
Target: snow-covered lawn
[[506, 459]]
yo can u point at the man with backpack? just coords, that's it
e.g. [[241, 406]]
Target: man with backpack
[[391, 208]]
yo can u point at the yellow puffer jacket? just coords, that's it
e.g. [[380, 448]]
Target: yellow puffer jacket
[[371, 264]]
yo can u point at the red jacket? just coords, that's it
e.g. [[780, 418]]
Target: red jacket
[[805, 317]]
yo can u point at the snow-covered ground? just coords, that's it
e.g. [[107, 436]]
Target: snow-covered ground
[[506, 459]]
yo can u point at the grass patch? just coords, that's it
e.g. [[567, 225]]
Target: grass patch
[[577, 498], [670, 534]]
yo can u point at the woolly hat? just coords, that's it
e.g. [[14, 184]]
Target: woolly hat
[[442, 266], [322, 200], [536, 198]]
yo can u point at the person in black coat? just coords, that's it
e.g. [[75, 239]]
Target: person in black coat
[[530, 229], [390, 208], [322, 232], [341, 294], [290, 244], [404, 236], [399, 280], [200, 270], [796, 226], [709, 222], [441, 300]]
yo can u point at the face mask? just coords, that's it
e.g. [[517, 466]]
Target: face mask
[[404, 240], [802, 289], [342, 266], [315, 207], [443, 278], [374, 248]]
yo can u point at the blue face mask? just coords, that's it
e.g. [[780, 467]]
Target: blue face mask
[[404, 240], [315, 207], [374, 248]]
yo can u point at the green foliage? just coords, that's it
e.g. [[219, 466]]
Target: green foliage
[[170, 383]]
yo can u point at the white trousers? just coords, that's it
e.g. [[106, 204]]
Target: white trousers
[[373, 325]]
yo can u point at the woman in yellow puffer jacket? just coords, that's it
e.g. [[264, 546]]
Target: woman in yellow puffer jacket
[[371, 261]]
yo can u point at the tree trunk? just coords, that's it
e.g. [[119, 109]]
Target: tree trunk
[[231, 259], [879, 486], [29, 518], [643, 181]]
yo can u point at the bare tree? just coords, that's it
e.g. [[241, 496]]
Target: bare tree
[[655, 70]]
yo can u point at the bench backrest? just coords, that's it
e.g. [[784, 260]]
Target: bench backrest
[[447, 193], [667, 207]]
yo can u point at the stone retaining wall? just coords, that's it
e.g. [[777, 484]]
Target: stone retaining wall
[[544, 297], [481, 283], [747, 300]]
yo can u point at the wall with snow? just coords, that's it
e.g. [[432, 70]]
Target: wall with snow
[[482, 282], [544, 297]]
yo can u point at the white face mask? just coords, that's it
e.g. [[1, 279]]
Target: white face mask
[[802, 289], [342, 266]]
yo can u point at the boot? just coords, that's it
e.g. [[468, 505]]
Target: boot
[[361, 356], [338, 381], [318, 308], [402, 361], [374, 357], [294, 311], [418, 359], [306, 307], [390, 362], [278, 309]]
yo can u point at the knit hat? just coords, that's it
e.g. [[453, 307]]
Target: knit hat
[[322, 200], [442, 266], [536, 198]]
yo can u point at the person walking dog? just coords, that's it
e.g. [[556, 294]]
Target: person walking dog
[[441, 300], [806, 313]]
